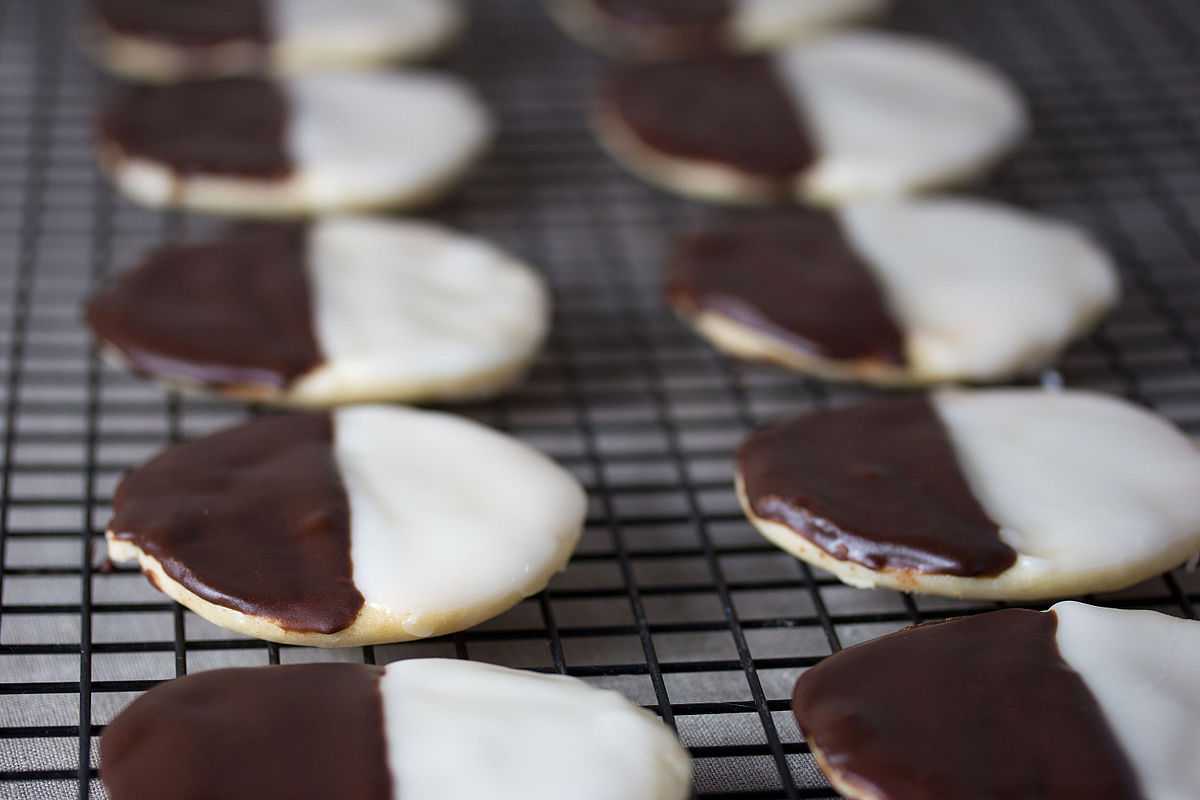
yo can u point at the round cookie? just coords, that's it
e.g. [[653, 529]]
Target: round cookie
[[654, 29], [1005, 494], [420, 729], [1078, 701], [847, 117], [371, 524], [170, 40], [904, 292], [342, 310], [307, 145]]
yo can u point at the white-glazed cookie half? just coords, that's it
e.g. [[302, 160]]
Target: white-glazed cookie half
[[171, 40], [1006, 494], [899, 292], [848, 117], [307, 145], [372, 524]]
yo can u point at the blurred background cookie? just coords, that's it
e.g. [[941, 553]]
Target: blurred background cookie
[[371, 524], [847, 117], [419, 729], [657, 29], [317, 144], [343, 310], [906, 292], [1003, 494], [1078, 701], [168, 40]]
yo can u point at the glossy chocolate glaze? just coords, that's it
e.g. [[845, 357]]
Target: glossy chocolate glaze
[[980, 707], [186, 22], [269, 733], [670, 26], [733, 112], [233, 127], [878, 484], [230, 313], [796, 279], [255, 518]]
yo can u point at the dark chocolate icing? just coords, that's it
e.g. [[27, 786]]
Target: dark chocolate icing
[[796, 279], [982, 707], [186, 22], [879, 485], [669, 27], [233, 127], [268, 733], [729, 111], [234, 312], [255, 518]]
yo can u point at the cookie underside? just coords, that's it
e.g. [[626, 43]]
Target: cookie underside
[[374, 625]]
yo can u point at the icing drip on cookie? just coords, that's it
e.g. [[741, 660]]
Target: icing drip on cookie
[[187, 22], [977, 707], [732, 112], [255, 519], [306, 730], [879, 485], [797, 280], [234, 312], [235, 127]]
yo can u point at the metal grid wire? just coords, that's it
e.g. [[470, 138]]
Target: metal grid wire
[[672, 599]]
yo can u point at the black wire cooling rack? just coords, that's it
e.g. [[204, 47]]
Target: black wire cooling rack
[[672, 598]]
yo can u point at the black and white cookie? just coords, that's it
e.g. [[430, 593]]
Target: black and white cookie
[[907, 292], [315, 144], [343, 310], [1004, 494], [370, 524], [658, 29], [420, 729], [169, 40], [846, 117], [1075, 702]]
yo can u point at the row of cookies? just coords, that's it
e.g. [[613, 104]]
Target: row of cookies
[[365, 523], [898, 292], [902, 292], [1002, 494]]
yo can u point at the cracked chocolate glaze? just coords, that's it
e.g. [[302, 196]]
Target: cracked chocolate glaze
[[235, 312], [877, 484], [188, 23], [796, 279], [976, 707], [728, 111], [669, 26], [297, 731], [255, 518], [235, 127]]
